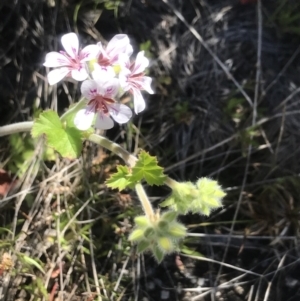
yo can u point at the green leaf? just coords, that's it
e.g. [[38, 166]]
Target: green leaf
[[169, 216], [136, 235], [21, 151], [63, 138], [5, 244], [32, 262], [158, 254], [146, 168], [177, 230], [168, 202], [163, 226], [40, 284], [142, 246], [165, 244], [86, 250], [5, 230], [186, 250], [150, 233], [141, 221], [121, 179]]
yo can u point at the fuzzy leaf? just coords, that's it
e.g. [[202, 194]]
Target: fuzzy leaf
[[165, 244], [146, 168], [169, 216], [163, 226], [64, 139], [187, 250], [142, 246], [177, 230], [136, 235], [168, 202], [119, 180], [158, 254], [149, 233], [141, 221]]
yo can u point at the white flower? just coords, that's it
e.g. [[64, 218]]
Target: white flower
[[116, 52], [100, 72], [133, 79], [70, 62], [100, 94]]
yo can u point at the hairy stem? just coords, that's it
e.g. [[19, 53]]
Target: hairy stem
[[140, 191], [14, 128], [170, 182], [114, 148]]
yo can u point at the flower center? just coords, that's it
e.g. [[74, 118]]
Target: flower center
[[100, 104], [74, 63], [135, 80], [103, 61]]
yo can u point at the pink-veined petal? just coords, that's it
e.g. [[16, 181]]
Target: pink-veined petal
[[119, 44], [56, 59], [124, 61], [103, 122], [128, 50], [141, 63], [123, 79], [89, 89], [138, 100], [84, 119], [102, 51], [71, 44], [89, 52], [120, 113], [79, 75], [57, 75], [109, 88], [124, 83], [145, 83]]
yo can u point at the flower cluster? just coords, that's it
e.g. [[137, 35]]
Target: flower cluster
[[107, 73], [159, 234]]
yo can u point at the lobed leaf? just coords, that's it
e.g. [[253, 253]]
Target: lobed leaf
[[147, 168], [64, 139], [121, 179]]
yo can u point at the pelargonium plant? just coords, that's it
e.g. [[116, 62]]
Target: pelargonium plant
[[106, 74]]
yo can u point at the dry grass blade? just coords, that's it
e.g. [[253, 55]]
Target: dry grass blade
[[215, 57]]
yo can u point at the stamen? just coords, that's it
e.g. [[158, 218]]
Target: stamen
[[100, 104]]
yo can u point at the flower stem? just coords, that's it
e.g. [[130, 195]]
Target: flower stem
[[114, 148], [140, 191], [14, 128], [170, 182]]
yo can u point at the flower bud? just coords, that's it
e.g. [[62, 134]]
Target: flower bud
[[202, 197], [159, 234]]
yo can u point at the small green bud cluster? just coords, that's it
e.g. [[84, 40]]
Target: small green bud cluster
[[201, 197], [159, 234]]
